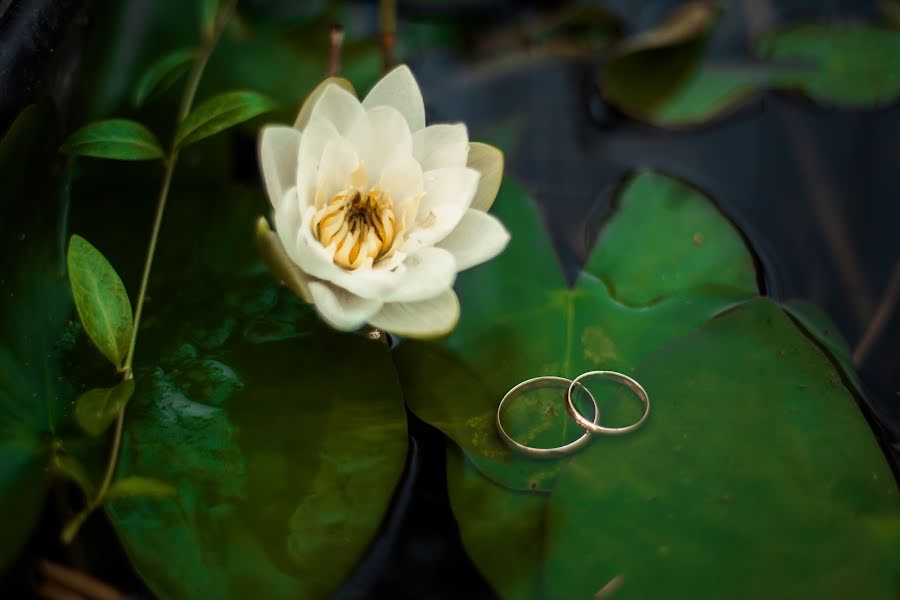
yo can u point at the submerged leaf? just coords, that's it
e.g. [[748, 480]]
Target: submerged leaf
[[119, 139], [101, 299]]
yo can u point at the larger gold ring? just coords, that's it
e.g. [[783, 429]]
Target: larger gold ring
[[539, 382], [592, 426]]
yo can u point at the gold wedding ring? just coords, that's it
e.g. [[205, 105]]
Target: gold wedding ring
[[535, 383], [594, 426]]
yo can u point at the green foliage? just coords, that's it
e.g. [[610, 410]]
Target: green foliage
[[119, 139], [97, 408], [648, 70], [219, 113], [34, 307], [739, 449], [101, 299], [850, 65], [163, 74]]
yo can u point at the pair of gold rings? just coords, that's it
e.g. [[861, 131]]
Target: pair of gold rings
[[591, 426]]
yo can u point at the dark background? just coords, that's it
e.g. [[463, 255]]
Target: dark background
[[816, 190]]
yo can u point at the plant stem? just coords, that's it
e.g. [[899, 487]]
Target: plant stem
[[387, 21], [187, 100]]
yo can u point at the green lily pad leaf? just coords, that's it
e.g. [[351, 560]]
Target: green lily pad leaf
[[34, 306], [844, 65], [283, 439], [519, 319], [666, 262], [163, 74], [649, 69], [101, 299], [96, 409], [488, 513], [139, 487], [119, 139], [219, 113], [708, 93], [756, 465]]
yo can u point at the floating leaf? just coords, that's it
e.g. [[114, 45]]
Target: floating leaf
[[241, 405], [845, 65], [101, 299], [97, 408], [219, 113], [709, 92], [753, 446], [666, 262], [162, 74], [618, 311], [647, 70], [139, 487], [119, 139]]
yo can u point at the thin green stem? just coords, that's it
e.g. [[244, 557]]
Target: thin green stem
[[187, 101], [387, 22]]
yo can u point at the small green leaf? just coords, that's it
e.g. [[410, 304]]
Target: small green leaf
[[119, 139], [163, 74], [101, 299], [219, 113], [96, 409], [140, 487], [70, 467]]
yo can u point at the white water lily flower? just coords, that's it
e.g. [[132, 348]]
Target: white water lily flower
[[375, 213]]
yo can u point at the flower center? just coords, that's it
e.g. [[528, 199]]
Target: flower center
[[360, 226]]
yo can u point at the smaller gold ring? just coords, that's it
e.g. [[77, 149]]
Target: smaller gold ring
[[593, 427], [540, 382]]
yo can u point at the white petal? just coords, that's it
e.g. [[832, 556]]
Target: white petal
[[488, 161], [282, 267], [426, 319], [288, 222], [402, 179], [390, 140], [310, 102], [429, 272], [339, 160], [338, 106], [441, 146], [399, 90], [478, 238], [341, 309], [448, 194], [279, 147], [317, 135]]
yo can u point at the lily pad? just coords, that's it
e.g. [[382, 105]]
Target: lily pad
[[649, 69], [844, 65], [666, 262], [282, 440], [519, 319], [756, 474]]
